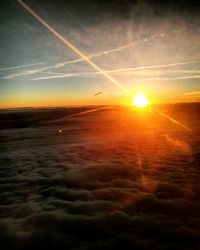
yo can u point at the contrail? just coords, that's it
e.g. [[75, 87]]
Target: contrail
[[79, 114], [95, 55], [89, 111], [70, 45], [124, 71], [118, 49], [165, 65], [66, 76], [98, 54], [84, 57], [173, 120], [22, 66], [114, 71]]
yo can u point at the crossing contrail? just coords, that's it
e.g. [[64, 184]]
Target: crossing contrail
[[95, 55], [111, 71], [71, 46], [91, 63]]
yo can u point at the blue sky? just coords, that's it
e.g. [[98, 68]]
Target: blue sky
[[141, 50]]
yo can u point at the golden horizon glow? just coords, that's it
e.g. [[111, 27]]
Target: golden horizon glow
[[140, 100]]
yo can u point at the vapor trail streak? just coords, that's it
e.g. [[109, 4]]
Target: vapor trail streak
[[83, 56], [56, 75], [118, 49], [79, 114], [126, 70], [22, 66], [96, 55], [164, 65], [70, 45], [173, 120], [122, 70], [89, 111]]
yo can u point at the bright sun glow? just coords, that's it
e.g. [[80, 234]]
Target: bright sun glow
[[140, 100]]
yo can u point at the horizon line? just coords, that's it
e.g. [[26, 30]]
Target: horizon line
[[91, 105]]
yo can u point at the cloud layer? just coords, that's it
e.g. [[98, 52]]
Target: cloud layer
[[100, 184]]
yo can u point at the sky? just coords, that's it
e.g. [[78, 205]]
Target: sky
[[139, 45]]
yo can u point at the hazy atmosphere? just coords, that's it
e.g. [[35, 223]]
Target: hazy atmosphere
[[99, 125], [143, 45]]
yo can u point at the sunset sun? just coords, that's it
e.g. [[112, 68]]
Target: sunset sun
[[140, 100]]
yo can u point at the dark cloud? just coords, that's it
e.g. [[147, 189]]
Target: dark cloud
[[99, 188]]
